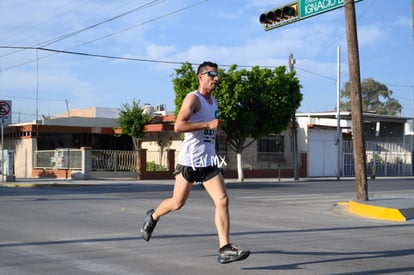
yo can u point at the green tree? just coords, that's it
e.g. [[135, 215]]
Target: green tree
[[132, 121], [252, 103], [184, 81], [376, 97]]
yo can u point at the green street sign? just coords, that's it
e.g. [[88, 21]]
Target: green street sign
[[308, 8]]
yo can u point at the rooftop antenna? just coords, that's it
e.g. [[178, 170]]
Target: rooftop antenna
[[67, 107]]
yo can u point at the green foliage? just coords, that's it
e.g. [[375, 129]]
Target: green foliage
[[184, 81], [376, 97], [132, 121], [152, 166], [256, 103], [251, 103]]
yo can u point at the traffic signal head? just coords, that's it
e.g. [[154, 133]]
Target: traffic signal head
[[289, 11], [279, 16]]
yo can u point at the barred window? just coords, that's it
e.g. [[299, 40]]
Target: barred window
[[271, 148]]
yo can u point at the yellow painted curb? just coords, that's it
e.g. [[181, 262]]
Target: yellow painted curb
[[375, 212]]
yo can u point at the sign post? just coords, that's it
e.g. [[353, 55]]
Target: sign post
[[5, 116]]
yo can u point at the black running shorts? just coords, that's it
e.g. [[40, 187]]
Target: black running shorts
[[197, 174]]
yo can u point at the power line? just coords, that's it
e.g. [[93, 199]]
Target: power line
[[32, 98], [65, 36], [320, 75], [323, 50], [55, 51], [147, 5], [400, 85], [403, 98], [102, 37], [86, 54]]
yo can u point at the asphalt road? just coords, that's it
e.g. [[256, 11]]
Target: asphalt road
[[291, 228]]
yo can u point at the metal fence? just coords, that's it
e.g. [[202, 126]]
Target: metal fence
[[58, 159], [383, 159], [102, 160], [114, 160]]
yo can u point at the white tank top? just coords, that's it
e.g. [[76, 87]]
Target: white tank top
[[198, 148]]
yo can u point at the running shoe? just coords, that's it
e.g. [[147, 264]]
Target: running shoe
[[148, 226], [231, 253]]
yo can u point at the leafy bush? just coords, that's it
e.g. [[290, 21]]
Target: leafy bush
[[152, 166]]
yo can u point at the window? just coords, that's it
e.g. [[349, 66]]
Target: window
[[271, 148]]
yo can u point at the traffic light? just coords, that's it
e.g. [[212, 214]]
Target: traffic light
[[280, 16]]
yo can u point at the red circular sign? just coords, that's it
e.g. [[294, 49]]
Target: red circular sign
[[4, 108]]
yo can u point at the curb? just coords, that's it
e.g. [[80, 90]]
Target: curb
[[378, 212], [21, 185], [44, 185]]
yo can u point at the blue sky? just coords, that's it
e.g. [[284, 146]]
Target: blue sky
[[226, 32]]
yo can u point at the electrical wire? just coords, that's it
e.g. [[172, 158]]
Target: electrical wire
[[330, 44], [169, 62], [149, 4], [31, 98], [65, 36], [323, 50], [103, 37]]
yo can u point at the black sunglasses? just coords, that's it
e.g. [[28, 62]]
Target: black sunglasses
[[211, 73]]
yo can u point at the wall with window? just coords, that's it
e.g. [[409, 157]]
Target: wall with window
[[268, 152], [271, 149]]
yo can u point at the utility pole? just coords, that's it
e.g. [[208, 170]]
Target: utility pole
[[292, 62], [356, 102], [338, 113], [294, 129]]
